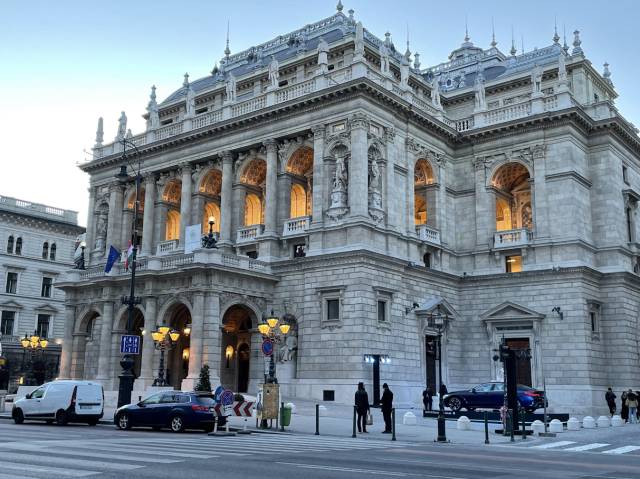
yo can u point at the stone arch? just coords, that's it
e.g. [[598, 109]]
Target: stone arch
[[86, 314], [172, 191], [253, 171], [376, 150], [130, 197], [512, 189], [300, 162], [210, 182], [494, 173], [120, 317], [245, 303], [423, 172], [211, 209], [170, 303], [341, 142], [238, 339]]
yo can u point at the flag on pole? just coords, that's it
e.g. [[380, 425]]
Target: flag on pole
[[114, 254], [129, 258]]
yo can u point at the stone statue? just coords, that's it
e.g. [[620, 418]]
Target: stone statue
[[274, 73], [404, 73], [190, 100], [340, 179], [231, 88], [562, 69], [374, 178], [154, 117], [481, 101], [101, 231], [435, 93], [122, 126], [536, 79], [289, 349], [384, 58]]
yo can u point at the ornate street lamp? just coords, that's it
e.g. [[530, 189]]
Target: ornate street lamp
[[164, 339], [275, 330], [32, 344], [80, 262], [438, 319], [209, 241]]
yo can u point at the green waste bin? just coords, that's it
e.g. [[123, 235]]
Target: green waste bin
[[286, 415]]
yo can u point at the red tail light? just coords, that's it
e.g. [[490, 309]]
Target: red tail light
[[531, 393], [197, 407]]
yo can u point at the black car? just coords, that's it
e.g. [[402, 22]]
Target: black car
[[173, 409], [491, 396]]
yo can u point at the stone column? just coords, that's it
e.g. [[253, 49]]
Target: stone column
[[485, 207], [67, 342], [104, 360], [195, 345], [318, 201], [148, 215], [539, 198], [185, 201], [90, 234], [211, 349], [391, 199], [127, 223], [146, 363], [226, 208], [271, 199], [359, 167], [410, 220], [441, 213], [114, 224]]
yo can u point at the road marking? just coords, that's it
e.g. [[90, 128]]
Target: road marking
[[586, 447], [146, 450], [46, 470], [553, 444], [71, 451], [350, 469], [621, 450], [67, 461]]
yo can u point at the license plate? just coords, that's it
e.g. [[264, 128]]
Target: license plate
[[85, 407]]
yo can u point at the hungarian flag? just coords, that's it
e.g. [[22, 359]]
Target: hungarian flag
[[129, 257]]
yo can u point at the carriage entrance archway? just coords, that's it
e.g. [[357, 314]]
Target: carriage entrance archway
[[237, 325], [177, 359]]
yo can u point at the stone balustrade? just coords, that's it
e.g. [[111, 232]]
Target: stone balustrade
[[249, 234], [507, 113], [296, 226], [37, 209], [428, 234], [512, 238], [167, 247]]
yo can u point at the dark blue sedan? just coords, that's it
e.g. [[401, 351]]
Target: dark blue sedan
[[491, 396], [173, 409]]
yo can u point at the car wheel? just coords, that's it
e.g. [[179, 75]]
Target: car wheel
[[61, 418], [455, 404], [123, 421], [18, 417], [177, 424]]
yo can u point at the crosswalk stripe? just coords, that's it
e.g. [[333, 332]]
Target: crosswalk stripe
[[175, 452], [14, 476], [71, 451], [621, 450], [586, 447], [554, 444], [46, 470], [67, 461]]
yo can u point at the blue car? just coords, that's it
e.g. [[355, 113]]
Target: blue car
[[175, 410], [491, 396]]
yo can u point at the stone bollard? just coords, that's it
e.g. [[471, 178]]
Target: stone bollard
[[322, 410], [603, 421], [616, 421], [537, 426], [464, 424], [409, 419], [573, 424], [555, 426], [588, 422]]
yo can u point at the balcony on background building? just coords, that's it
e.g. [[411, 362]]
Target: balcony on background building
[[296, 226], [249, 234], [167, 247], [512, 238], [428, 234]]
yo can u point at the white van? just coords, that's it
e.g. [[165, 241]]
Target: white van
[[62, 401]]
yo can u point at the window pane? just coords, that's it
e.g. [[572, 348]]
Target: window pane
[[46, 287], [333, 309], [43, 325], [12, 283], [382, 311], [6, 324], [19, 246], [45, 250], [514, 264], [10, 245], [52, 254]]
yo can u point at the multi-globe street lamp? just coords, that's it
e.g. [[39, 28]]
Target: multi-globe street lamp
[[275, 330], [164, 339], [32, 344]]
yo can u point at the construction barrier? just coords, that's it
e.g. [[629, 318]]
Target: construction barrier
[[239, 408]]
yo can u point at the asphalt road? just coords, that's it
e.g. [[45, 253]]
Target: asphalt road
[[41, 451]]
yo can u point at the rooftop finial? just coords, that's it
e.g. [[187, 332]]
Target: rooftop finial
[[466, 30], [522, 44], [493, 34], [565, 47], [227, 52], [416, 60], [99, 133], [607, 74], [185, 83], [339, 6], [407, 53], [513, 50], [577, 49], [152, 96], [556, 37]]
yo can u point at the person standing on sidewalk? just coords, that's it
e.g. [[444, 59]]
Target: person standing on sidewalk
[[624, 409], [427, 399], [632, 404], [610, 397], [386, 405], [362, 407]]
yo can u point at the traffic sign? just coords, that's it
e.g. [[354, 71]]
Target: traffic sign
[[130, 344], [219, 390], [267, 347], [226, 398]]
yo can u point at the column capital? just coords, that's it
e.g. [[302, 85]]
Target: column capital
[[318, 131], [227, 156], [185, 168], [271, 145], [390, 134], [116, 187], [359, 120], [149, 177]]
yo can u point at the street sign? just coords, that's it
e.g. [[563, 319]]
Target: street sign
[[226, 398], [267, 347], [219, 390], [130, 344]]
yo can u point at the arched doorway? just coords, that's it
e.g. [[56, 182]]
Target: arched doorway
[[177, 360], [513, 197], [237, 326]]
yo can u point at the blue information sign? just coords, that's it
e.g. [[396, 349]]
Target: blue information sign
[[130, 344], [226, 398], [267, 347]]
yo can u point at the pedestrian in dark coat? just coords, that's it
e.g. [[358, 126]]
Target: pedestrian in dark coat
[[610, 397], [624, 410], [427, 399], [386, 404], [362, 407]]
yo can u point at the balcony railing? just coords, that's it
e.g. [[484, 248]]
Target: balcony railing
[[167, 247], [428, 234], [249, 234], [296, 226], [512, 238]]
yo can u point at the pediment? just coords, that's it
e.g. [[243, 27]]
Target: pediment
[[11, 304], [47, 308], [430, 305], [509, 311]]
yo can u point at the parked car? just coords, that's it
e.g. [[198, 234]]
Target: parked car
[[176, 410], [62, 401], [491, 396]]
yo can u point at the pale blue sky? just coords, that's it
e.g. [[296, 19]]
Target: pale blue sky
[[63, 64]]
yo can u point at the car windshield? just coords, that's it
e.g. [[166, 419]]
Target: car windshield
[[155, 399], [206, 400]]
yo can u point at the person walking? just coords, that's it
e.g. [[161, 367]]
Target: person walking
[[624, 409], [632, 404], [427, 399], [386, 404], [610, 397], [362, 407]]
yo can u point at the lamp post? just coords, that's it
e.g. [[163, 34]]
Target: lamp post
[[32, 344], [80, 262], [209, 241], [438, 320], [126, 376], [275, 330], [164, 339]]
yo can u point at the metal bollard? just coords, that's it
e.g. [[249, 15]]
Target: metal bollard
[[486, 427], [354, 422], [317, 419], [524, 427], [514, 422], [393, 424], [282, 417]]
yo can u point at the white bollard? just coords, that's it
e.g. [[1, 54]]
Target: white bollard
[[291, 406], [322, 410], [603, 421], [409, 419], [588, 422], [464, 423], [616, 421], [555, 426], [573, 424], [537, 426]]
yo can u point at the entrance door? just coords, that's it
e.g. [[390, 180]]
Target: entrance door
[[523, 366], [431, 347], [244, 355]]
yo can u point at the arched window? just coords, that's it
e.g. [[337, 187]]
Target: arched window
[[19, 246], [45, 250], [10, 245], [173, 225], [298, 201], [211, 209], [421, 210], [513, 197], [252, 210], [503, 215], [52, 252]]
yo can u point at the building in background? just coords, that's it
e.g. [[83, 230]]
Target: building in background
[[37, 245], [356, 191]]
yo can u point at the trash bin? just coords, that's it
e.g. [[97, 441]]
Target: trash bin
[[286, 415]]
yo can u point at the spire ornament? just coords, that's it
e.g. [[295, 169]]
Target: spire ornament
[[227, 52], [606, 74], [556, 37], [416, 61], [99, 134], [565, 47], [152, 108], [513, 50], [339, 6], [493, 34], [577, 49]]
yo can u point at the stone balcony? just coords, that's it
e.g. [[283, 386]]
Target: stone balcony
[[512, 238], [167, 247], [296, 226], [428, 234], [249, 234]]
